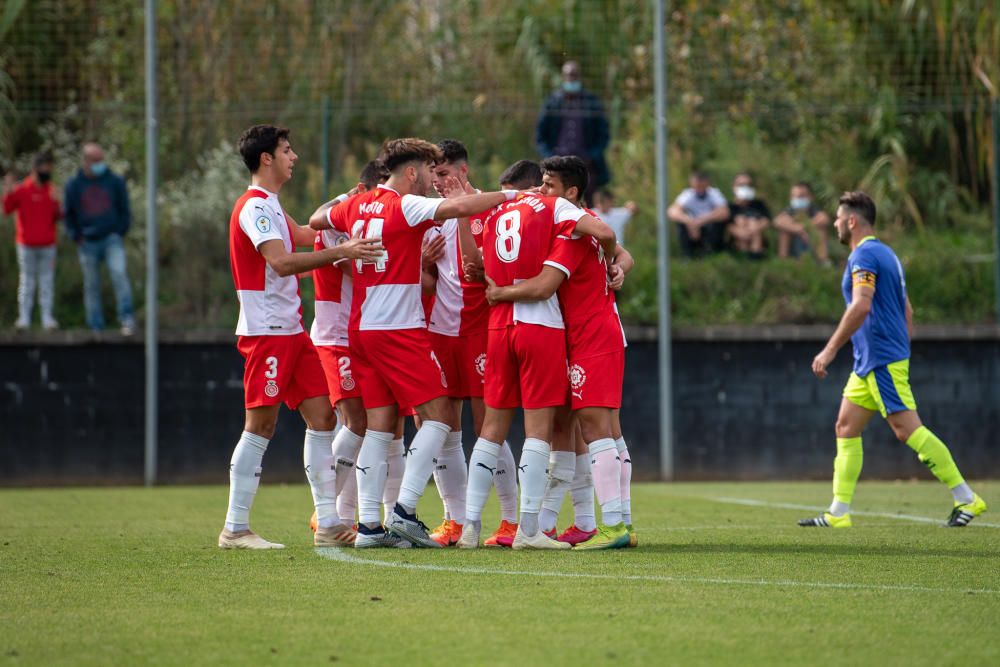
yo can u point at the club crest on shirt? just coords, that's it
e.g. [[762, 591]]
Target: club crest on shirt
[[271, 388], [481, 364], [477, 226], [577, 376], [347, 383], [263, 224]]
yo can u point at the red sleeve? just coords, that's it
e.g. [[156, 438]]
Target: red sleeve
[[339, 214], [10, 200], [568, 253]]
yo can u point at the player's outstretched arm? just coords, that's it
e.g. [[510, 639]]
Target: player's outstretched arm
[[464, 205], [287, 263], [592, 226], [853, 318], [320, 218], [539, 288]]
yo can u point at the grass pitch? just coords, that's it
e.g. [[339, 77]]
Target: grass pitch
[[131, 576]]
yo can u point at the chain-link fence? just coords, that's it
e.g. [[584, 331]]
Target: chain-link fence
[[892, 97]]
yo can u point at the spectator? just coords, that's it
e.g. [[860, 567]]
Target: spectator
[[616, 217], [749, 218], [796, 222], [573, 123], [701, 213], [35, 224], [97, 218]]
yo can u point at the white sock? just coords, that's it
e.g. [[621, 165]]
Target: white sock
[[505, 480], [963, 493], [562, 468], [838, 508], [533, 478], [321, 471], [426, 447], [346, 445], [482, 469], [582, 493], [626, 479], [605, 467], [371, 474], [244, 478], [397, 464], [451, 474]]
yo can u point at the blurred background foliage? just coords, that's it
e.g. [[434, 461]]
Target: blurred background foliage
[[889, 96]]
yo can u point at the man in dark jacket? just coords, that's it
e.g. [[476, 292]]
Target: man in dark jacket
[[573, 123], [97, 218]]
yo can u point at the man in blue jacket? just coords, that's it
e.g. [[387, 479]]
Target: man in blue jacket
[[97, 219], [573, 123]]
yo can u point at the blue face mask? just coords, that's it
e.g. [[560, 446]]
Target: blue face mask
[[98, 168], [572, 86], [799, 203]]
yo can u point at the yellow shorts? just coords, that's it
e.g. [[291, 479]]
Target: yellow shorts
[[885, 388]]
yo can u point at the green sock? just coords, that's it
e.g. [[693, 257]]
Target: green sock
[[847, 468], [935, 455]]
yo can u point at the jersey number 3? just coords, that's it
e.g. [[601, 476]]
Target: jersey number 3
[[509, 236]]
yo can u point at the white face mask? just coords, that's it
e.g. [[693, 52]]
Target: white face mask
[[744, 192], [799, 203]]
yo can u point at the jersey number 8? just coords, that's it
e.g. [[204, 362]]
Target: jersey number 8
[[509, 236]]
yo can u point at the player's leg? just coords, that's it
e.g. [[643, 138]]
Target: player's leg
[[450, 477], [626, 479], [562, 469], [396, 463], [857, 407], [892, 385], [582, 493], [605, 466], [346, 448]]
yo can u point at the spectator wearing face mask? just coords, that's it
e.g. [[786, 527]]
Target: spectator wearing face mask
[[701, 213], [572, 122], [97, 217], [800, 222], [750, 217], [37, 212]]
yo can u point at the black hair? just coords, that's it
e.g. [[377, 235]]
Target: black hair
[[700, 175], [453, 150], [860, 204], [260, 139], [43, 158], [522, 175], [604, 193], [373, 174], [397, 152], [571, 170], [805, 184]]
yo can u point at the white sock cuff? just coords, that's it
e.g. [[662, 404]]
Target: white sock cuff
[[537, 446], [396, 447], [620, 444], [319, 434], [437, 426], [562, 465], [602, 445], [487, 447], [381, 438], [452, 442], [350, 438], [258, 441]]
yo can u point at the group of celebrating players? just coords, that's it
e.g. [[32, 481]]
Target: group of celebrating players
[[503, 298]]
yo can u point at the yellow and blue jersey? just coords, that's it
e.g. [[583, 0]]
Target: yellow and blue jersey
[[883, 337]]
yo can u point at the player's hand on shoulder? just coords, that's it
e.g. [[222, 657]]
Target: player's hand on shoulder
[[363, 249]]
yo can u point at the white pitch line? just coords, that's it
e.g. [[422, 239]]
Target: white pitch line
[[812, 508], [344, 556]]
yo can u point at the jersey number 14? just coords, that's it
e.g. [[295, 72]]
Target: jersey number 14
[[374, 228]]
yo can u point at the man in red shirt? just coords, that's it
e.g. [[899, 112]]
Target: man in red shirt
[[282, 365], [392, 356], [526, 355], [577, 269], [36, 214]]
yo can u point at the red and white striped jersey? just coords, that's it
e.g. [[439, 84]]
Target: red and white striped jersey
[[387, 290], [517, 239], [269, 304], [333, 295], [460, 307]]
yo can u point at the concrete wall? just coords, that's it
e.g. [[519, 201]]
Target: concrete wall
[[747, 407]]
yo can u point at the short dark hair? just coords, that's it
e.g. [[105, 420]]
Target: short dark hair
[[522, 175], [397, 152], [373, 174], [604, 193], [453, 150], [803, 184], [43, 158], [860, 204], [700, 175], [260, 139], [570, 169]]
